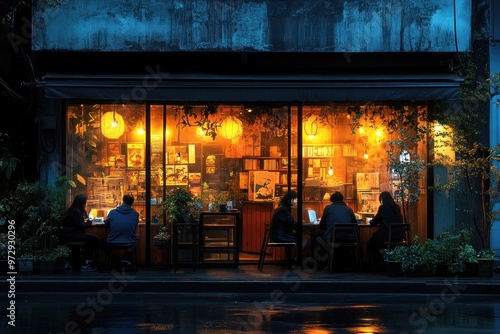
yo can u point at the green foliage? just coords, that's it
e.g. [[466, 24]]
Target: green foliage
[[233, 186], [472, 172], [430, 254], [205, 118], [409, 126], [486, 253], [180, 200], [163, 234], [54, 253], [38, 210], [467, 254], [410, 256], [8, 163]]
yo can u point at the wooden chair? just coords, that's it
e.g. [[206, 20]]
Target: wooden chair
[[266, 242], [353, 245], [404, 229]]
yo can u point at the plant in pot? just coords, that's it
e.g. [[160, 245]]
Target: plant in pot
[[161, 243], [393, 262], [54, 260], [28, 251], [411, 257], [486, 262], [468, 259], [180, 201], [450, 244], [430, 257]]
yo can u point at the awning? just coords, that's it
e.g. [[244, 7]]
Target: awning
[[203, 87]]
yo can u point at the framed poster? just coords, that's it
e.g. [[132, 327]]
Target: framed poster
[[367, 181], [264, 183], [176, 175], [113, 149], [178, 154], [195, 183], [136, 179], [135, 155]]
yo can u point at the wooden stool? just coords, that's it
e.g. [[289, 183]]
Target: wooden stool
[[120, 247]]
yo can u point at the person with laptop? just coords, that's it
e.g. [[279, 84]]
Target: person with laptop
[[122, 223], [337, 212]]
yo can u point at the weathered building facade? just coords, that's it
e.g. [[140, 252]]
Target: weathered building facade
[[148, 60]]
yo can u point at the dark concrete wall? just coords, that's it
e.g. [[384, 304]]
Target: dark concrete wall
[[254, 25]]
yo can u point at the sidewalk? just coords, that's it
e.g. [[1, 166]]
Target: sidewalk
[[248, 279]]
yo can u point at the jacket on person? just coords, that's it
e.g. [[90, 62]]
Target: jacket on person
[[283, 225], [122, 222], [385, 216], [336, 213], [74, 224]]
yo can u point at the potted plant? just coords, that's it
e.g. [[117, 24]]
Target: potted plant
[[450, 248], [430, 257], [486, 262], [468, 260], [161, 243], [180, 200], [38, 210], [53, 260], [393, 262]]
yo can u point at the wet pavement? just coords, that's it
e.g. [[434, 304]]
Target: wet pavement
[[231, 300], [255, 313]]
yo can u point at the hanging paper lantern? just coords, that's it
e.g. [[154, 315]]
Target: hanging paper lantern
[[112, 125], [311, 127], [231, 128]]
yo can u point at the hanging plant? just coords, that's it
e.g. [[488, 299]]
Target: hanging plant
[[206, 119], [266, 119]]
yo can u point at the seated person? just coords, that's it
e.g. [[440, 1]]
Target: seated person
[[337, 212], [73, 229], [284, 226], [388, 213], [282, 222], [122, 223]]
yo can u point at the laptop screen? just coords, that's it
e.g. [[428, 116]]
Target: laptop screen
[[312, 216]]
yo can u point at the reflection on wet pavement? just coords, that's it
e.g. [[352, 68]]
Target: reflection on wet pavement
[[275, 312]]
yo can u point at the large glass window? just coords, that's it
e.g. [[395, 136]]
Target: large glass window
[[245, 154]]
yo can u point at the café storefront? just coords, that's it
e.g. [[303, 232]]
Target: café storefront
[[234, 134]]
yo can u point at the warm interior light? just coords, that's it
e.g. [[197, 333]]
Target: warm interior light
[[330, 171], [361, 129], [112, 125], [231, 128], [378, 133], [311, 127], [140, 130], [365, 156]]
